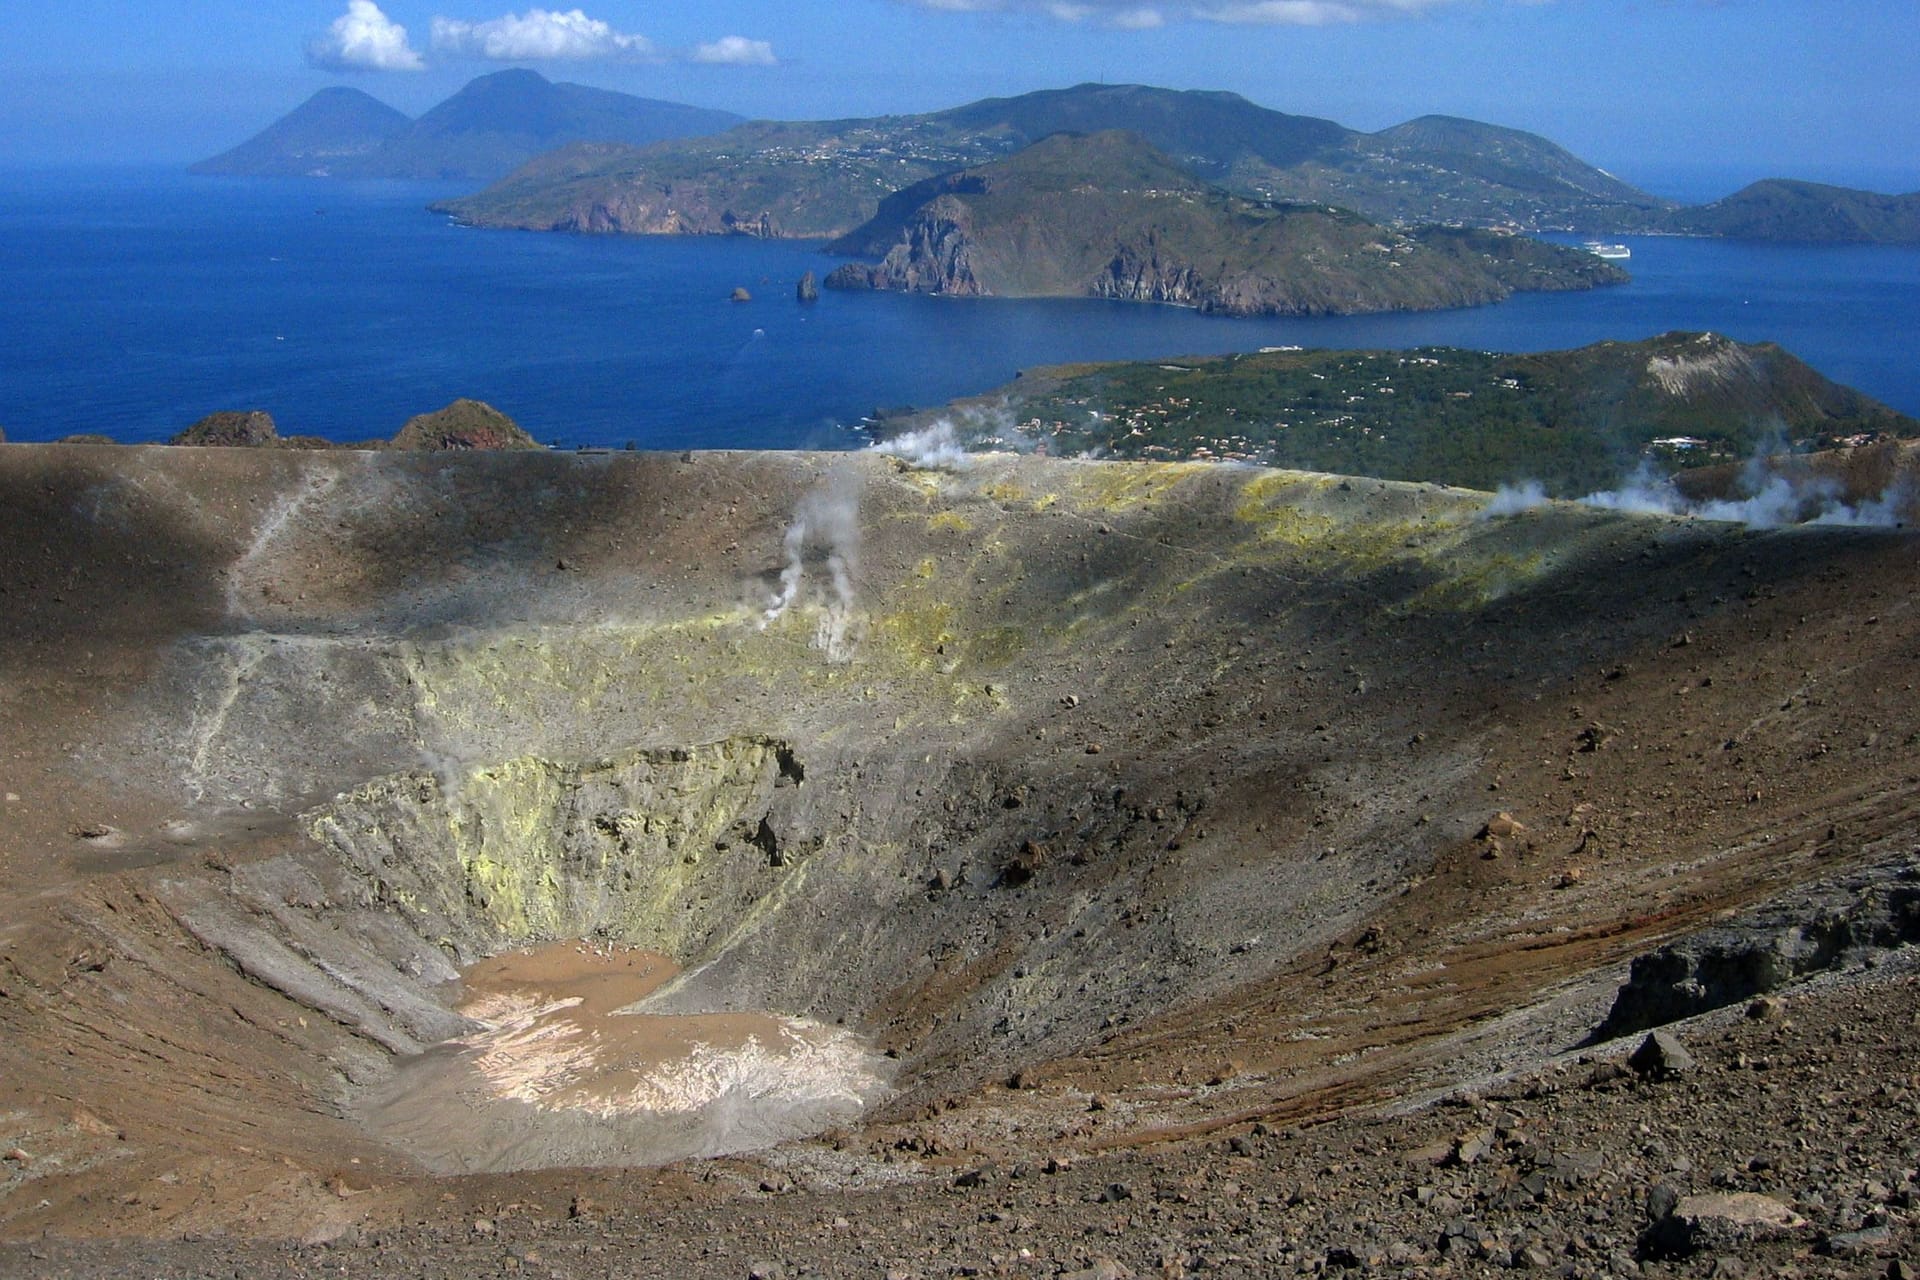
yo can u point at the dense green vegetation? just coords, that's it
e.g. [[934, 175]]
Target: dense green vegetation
[[1575, 421]]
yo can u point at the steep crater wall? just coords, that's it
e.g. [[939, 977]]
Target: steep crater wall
[[665, 848]]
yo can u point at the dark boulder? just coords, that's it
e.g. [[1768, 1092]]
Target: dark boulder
[[1661, 1057]]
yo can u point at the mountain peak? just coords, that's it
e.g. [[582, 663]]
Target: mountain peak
[[335, 129], [508, 75], [493, 124], [1180, 122]]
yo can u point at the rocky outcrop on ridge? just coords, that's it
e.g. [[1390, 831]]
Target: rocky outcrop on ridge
[[464, 424], [251, 428]]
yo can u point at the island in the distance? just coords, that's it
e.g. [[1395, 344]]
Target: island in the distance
[[1106, 215], [600, 161], [1780, 209], [821, 179], [492, 125]]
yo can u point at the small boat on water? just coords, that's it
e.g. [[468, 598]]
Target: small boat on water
[[1603, 250]]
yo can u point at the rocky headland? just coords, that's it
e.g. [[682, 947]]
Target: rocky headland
[[1105, 215]]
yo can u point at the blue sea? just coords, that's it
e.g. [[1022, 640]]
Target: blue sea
[[137, 301]]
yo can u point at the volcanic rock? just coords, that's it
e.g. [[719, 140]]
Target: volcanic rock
[[1857, 1244], [1815, 930], [1470, 1147], [1101, 1269], [1502, 826], [1661, 1056], [1719, 1221]]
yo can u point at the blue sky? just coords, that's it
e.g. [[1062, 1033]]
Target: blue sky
[[1724, 90]]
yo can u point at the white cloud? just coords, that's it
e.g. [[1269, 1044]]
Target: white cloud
[[736, 51], [540, 35], [1124, 14], [364, 39], [1310, 13], [1132, 16]]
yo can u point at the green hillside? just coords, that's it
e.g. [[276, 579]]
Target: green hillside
[[1575, 421]]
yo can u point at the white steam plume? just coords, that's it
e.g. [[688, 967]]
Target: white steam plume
[[950, 441], [1773, 500], [828, 518], [1888, 511], [932, 448], [1512, 499]]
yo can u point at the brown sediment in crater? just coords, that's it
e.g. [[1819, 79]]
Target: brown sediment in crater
[[560, 1069]]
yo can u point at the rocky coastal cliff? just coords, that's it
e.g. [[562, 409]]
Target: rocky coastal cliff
[[1105, 215]]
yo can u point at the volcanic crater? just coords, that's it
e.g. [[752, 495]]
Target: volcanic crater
[[917, 813]]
